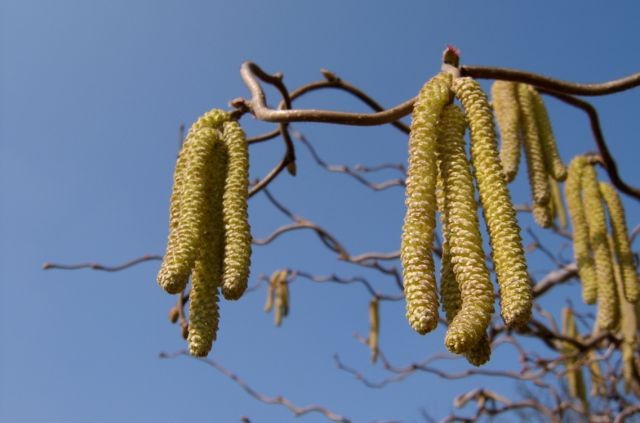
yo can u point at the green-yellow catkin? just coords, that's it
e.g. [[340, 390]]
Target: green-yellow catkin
[[419, 222], [628, 328], [237, 250], [559, 211], [480, 353], [621, 242], [207, 271], [374, 328], [553, 163], [181, 246], [505, 104], [597, 224], [575, 378], [533, 152], [463, 236], [581, 242], [268, 305], [598, 387], [543, 214], [500, 216]]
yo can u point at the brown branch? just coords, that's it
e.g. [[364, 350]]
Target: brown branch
[[98, 266], [552, 84], [608, 162], [279, 400]]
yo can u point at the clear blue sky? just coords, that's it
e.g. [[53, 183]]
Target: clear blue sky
[[91, 97]]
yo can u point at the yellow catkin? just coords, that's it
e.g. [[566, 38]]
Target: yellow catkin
[[465, 242], [596, 222], [559, 211], [374, 328], [553, 163], [542, 214], [538, 181], [628, 328], [575, 378], [621, 243], [581, 242], [505, 104], [207, 272], [419, 222], [500, 216], [237, 251], [598, 387], [181, 253], [480, 353]]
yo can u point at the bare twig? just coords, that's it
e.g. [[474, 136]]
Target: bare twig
[[98, 266]]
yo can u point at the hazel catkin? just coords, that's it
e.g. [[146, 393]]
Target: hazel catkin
[[505, 104], [237, 245], [463, 236], [419, 222], [553, 163], [581, 242], [621, 242], [374, 328], [500, 216], [597, 225]]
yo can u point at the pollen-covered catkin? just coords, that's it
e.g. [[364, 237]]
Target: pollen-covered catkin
[[581, 242], [575, 378], [558, 209], [542, 214], [621, 242], [500, 216], [419, 222], [181, 254], [237, 250], [597, 224], [628, 328], [505, 104], [553, 163], [374, 328], [207, 271], [463, 236], [533, 151]]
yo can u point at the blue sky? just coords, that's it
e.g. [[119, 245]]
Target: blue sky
[[91, 98]]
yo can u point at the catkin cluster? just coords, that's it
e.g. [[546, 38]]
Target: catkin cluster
[[440, 177], [523, 120], [209, 234], [278, 295], [602, 256]]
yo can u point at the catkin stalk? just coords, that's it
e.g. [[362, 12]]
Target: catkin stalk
[[463, 236], [419, 222], [581, 242], [237, 251], [596, 222], [505, 104], [504, 233]]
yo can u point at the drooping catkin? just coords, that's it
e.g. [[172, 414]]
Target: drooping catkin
[[597, 225], [628, 329], [575, 378], [542, 214], [536, 168], [500, 216], [598, 387], [207, 271], [581, 242], [480, 353], [621, 243], [505, 104], [237, 251], [182, 240], [374, 328], [419, 222], [559, 211], [553, 163], [463, 236]]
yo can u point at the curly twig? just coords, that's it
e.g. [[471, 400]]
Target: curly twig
[[98, 266]]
